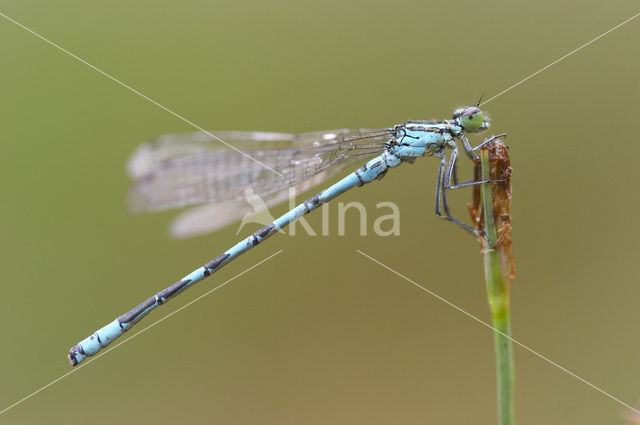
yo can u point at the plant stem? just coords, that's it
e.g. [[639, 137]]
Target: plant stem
[[498, 296], [504, 369]]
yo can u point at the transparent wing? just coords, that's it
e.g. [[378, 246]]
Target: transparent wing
[[210, 217], [180, 170], [252, 209], [152, 154]]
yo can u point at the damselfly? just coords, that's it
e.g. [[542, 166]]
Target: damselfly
[[182, 170]]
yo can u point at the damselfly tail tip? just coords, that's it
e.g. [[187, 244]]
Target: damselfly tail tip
[[72, 356]]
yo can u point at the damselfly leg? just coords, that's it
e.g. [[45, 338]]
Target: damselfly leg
[[489, 140], [448, 179], [441, 193], [471, 151], [452, 167]]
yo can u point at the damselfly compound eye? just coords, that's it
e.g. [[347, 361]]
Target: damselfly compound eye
[[470, 118]]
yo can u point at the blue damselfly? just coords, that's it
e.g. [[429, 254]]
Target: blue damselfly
[[192, 169]]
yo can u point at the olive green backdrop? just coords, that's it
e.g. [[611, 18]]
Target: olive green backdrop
[[318, 334]]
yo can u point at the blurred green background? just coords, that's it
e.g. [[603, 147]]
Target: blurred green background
[[319, 334]]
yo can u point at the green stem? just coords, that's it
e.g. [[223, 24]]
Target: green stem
[[498, 295]]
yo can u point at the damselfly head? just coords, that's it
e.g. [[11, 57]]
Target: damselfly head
[[471, 119]]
